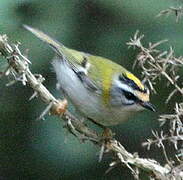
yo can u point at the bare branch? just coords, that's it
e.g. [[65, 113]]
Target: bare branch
[[19, 67], [177, 11], [156, 64]]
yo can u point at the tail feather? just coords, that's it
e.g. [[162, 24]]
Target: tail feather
[[57, 46], [65, 53]]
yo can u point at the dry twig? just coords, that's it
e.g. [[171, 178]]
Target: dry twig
[[178, 11], [156, 64], [19, 68]]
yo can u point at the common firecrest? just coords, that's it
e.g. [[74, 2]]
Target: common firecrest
[[100, 89]]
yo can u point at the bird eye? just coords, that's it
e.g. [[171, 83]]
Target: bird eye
[[129, 95]]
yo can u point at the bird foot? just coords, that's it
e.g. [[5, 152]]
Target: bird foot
[[107, 135]]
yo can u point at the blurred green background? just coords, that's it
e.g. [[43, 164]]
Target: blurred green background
[[31, 149]]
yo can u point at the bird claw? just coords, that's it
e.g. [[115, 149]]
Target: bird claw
[[106, 137]]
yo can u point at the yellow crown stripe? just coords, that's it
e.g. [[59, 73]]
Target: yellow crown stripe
[[135, 80]]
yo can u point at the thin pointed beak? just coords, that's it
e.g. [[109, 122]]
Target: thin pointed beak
[[148, 105]]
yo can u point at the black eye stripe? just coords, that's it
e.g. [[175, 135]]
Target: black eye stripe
[[129, 95]]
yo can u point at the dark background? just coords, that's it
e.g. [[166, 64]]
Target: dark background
[[31, 149]]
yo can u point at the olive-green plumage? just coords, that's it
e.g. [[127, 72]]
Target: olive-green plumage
[[100, 66], [99, 88]]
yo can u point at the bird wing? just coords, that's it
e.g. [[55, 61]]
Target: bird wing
[[94, 71]]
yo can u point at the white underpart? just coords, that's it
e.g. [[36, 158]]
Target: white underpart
[[87, 67], [87, 102]]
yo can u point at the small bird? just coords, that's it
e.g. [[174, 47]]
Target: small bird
[[100, 89]]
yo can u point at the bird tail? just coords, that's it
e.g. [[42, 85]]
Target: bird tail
[[65, 53], [54, 44]]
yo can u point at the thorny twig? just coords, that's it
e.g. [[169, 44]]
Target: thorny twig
[[19, 66], [156, 64], [175, 135], [178, 11]]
